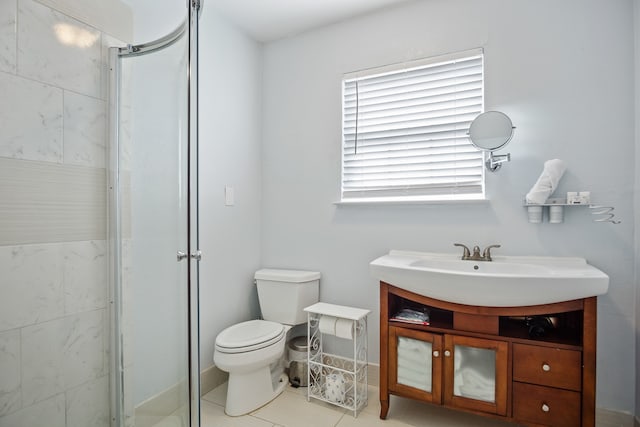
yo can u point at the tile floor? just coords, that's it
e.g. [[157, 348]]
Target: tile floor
[[291, 409]]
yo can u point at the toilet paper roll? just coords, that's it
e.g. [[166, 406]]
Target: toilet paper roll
[[327, 324], [334, 388], [344, 328]]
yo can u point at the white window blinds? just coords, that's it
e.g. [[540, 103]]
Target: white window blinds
[[405, 131]]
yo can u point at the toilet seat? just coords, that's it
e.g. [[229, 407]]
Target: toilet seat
[[249, 336]]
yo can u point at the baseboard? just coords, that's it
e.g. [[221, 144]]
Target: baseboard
[[161, 405], [167, 402], [211, 378], [373, 374], [609, 418]]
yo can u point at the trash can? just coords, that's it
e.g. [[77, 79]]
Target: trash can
[[298, 365]]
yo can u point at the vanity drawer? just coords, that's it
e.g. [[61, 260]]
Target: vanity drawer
[[546, 406], [547, 366]]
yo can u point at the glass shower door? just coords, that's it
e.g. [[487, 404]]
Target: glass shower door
[[154, 236]]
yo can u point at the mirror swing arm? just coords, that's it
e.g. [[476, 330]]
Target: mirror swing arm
[[490, 131], [495, 161]]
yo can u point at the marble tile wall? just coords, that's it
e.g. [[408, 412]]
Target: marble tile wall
[[53, 281]]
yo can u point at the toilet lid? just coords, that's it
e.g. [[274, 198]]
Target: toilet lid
[[248, 336]]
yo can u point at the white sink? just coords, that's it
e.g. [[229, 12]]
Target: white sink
[[507, 281]]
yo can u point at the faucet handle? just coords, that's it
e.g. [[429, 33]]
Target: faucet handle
[[465, 250], [486, 254]]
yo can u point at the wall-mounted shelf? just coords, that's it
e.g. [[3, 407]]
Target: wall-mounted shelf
[[556, 207]]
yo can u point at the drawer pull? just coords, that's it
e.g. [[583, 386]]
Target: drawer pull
[[546, 367], [447, 353], [436, 353], [545, 407]]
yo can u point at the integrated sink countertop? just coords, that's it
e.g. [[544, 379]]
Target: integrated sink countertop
[[507, 281]]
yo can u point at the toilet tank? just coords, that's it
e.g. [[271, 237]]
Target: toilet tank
[[283, 294]]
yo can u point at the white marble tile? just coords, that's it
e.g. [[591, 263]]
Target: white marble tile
[[84, 130], [30, 285], [30, 119], [111, 16], [84, 275], [58, 50], [8, 10], [10, 393], [61, 354], [88, 404], [48, 413]]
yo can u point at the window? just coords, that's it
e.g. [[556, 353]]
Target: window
[[404, 131]]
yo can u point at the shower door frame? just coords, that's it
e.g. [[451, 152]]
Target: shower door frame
[[114, 224]]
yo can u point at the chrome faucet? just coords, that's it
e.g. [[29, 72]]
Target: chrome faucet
[[467, 255]]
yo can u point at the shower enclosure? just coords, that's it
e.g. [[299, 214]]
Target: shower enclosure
[[153, 230]]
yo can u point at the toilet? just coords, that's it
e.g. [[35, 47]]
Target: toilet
[[252, 352]]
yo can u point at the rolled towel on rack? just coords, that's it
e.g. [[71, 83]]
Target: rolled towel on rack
[[547, 182]]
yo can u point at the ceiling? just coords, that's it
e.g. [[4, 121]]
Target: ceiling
[[268, 20]]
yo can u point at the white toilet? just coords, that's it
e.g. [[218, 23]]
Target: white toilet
[[252, 352]]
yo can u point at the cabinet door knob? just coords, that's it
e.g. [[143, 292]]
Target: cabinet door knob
[[545, 407], [546, 367], [436, 353], [447, 353]]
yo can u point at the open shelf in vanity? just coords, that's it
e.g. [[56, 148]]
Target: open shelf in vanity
[[535, 364]]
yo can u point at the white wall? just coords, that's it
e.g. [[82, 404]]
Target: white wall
[[153, 20], [563, 71], [230, 152]]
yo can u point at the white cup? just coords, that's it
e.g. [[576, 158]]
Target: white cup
[[556, 214], [535, 214]]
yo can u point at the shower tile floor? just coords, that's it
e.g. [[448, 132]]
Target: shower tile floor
[[291, 409]]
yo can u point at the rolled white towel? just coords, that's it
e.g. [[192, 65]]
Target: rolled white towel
[[547, 182]]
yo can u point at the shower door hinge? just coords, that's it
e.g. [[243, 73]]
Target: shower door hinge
[[195, 4]]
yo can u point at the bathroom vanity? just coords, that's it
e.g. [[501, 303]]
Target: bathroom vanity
[[531, 364]]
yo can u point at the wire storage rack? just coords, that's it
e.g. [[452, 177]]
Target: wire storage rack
[[336, 377]]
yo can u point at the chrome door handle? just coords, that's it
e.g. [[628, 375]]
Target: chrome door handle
[[197, 255]]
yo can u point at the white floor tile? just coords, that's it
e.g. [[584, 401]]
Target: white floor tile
[[213, 416], [218, 395], [293, 410]]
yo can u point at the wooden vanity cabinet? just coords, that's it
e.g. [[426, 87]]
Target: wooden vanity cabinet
[[482, 359]]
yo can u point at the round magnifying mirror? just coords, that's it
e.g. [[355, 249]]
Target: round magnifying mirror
[[491, 130]]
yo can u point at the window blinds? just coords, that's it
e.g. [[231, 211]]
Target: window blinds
[[405, 132]]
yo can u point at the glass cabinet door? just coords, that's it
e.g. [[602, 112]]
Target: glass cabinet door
[[415, 363], [476, 374]]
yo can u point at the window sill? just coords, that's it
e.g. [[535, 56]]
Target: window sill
[[411, 202]]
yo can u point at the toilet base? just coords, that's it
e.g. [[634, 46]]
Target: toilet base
[[249, 391]]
